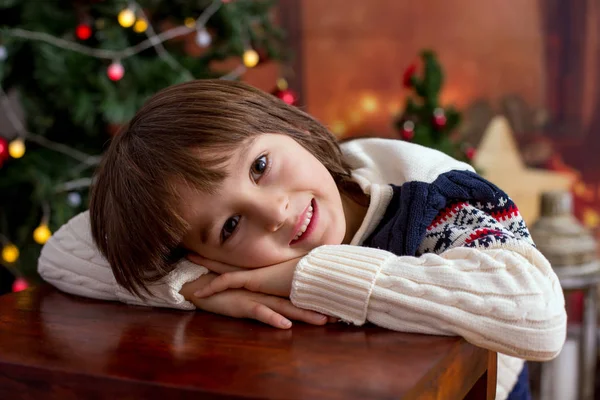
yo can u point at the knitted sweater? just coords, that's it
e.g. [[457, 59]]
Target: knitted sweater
[[457, 265]]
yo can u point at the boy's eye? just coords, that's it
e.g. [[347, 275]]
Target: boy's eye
[[259, 167], [229, 227]]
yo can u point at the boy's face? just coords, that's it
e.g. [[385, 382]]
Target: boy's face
[[258, 215]]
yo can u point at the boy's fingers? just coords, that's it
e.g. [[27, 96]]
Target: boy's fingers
[[264, 314], [223, 282], [287, 309]]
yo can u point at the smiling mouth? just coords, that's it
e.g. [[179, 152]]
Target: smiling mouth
[[307, 225]]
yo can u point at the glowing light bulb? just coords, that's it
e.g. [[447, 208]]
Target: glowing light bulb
[[203, 38], [16, 148], [41, 234], [74, 199], [10, 253], [338, 128], [126, 18], [140, 25], [369, 104], [250, 58], [282, 84], [189, 22]]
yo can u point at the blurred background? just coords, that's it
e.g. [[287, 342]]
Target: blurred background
[[511, 87]]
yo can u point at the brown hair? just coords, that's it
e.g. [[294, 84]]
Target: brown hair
[[182, 134]]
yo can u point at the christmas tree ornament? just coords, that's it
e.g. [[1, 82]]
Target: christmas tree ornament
[[408, 130], [16, 148], [3, 53], [189, 22], [74, 199], [115, 71], [203, 38], [407, 77], [288, 96], [140, 25], [10, 253], [439, 117], [83, 31], [126, 17], [250, 58], [3, 149], [19, 284], [41, 234], [470, 153]]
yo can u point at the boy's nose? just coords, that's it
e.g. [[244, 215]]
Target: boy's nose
[[276, 213]]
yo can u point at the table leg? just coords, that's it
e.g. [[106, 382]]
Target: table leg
[[587, 346], [485, 387]]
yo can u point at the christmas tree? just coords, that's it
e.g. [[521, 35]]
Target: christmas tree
[[425, 120], [73, 71]]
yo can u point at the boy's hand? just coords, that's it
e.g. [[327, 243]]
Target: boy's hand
[[271, 310], [275, 279]]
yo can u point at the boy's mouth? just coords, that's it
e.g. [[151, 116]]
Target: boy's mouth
[[306, 223]]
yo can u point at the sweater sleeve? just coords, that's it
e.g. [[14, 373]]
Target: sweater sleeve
[[71, 262], [504, 298]]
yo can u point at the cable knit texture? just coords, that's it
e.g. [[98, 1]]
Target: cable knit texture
[[71, 262]]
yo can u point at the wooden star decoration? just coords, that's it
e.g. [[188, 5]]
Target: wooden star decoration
[[500, 162]]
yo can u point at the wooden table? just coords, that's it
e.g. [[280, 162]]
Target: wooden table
[[53, 345]]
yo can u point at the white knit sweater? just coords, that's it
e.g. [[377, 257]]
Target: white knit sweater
[[504, 299]]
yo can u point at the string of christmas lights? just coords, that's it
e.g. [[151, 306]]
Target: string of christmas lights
[[132, 16]]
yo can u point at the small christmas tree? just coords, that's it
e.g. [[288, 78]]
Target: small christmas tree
[[73, 71], [425, 121]]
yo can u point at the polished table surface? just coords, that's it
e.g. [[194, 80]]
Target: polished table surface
[[54, 345]]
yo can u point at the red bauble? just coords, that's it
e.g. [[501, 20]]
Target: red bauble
[[83, 31], [407, 135], [288, 96], [19, 284], [408, 74], [3, 150], [439, 121], [470, 153], [408, 130], [115, 71]]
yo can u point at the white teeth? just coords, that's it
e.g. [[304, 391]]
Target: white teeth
[[309, 215]]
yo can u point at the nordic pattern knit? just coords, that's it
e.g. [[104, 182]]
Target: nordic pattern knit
[[503, 297], [432, 218]]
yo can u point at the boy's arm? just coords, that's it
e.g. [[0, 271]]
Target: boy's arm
[[487, 282], [71, 262], [504, 299]]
